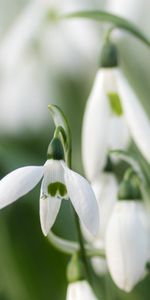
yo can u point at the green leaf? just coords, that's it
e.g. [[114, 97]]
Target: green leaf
[[62, 123], [144, 187], [107, 17]]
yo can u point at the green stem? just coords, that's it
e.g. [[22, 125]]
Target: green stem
[[82, 248], [117, 21], [70, 247]]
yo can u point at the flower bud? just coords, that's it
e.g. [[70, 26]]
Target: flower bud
[[80, 290], [128, 243]]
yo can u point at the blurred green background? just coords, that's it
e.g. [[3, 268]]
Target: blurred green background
[[56, 63]]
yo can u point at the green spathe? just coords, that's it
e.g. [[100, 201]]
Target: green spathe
[[109, 56], [57, 188], [55, 150], [130, 187]]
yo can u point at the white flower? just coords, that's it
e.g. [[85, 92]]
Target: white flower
[[105, 187], [80, 290], [113, 114], [58, 182], [34, 52], [128, 243]]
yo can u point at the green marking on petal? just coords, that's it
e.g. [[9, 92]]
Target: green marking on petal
[[115, 103], [57, 188]]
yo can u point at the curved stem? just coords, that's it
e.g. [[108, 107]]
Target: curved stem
[[70, 247], [82, 247], [107, 17]]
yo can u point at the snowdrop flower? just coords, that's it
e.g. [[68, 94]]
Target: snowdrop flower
[[128, 243], [113, 114], [80, 290], [58, 182], [105, 187]]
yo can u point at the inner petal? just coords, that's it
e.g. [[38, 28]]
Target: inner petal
[[53, 182]]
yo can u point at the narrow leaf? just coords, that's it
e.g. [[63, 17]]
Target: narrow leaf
[[125, 156], [61, 122]]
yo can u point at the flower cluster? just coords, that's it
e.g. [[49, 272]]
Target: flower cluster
[[113, 118]]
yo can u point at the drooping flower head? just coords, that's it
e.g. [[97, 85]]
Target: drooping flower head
[[59, 182], [112, 117], [128, 237]]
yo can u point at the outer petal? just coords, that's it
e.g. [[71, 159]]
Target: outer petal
[[49, 208], [138, 121], [80, 290], [18, 183], [95, 129], [127, 244], [53, 172], [119, 136], [105, 187], [83, 200]]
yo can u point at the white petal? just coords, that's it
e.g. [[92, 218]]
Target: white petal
[[49, 208], [138, 121], [80, 290], [105, 188], [127, 244], [95, 129], [119, 136], [18, 183], [83, 200]]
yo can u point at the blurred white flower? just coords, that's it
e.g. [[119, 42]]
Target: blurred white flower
[[128, 243], [80, 290], [105, 187], [132, 10], [34, 53], [113, 114], [102, 129], [58, 182]]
